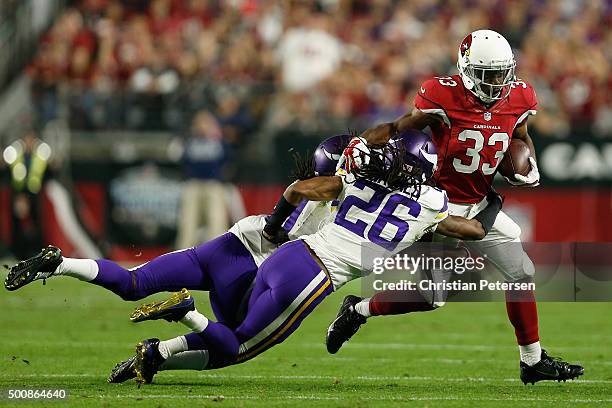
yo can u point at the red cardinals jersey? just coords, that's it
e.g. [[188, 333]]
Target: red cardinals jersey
[[471, 139]]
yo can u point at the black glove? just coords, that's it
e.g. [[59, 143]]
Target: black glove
[[279, 238], [274, 222]]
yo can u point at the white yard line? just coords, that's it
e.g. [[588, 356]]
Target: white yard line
[[332, 398], [490, 360], [351, 345], [429, 346], [307, 377]]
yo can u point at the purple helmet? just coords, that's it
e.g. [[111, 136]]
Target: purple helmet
[[328, 153], [420, 151]]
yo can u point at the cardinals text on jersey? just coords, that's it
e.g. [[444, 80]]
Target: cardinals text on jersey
[[471, 138]]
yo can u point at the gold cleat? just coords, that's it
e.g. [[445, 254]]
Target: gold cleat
[[172, 309], [147, 362]]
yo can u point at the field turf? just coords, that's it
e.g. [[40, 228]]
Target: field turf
[[69, 335]]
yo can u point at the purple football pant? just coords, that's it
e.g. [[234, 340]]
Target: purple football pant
[[222, 266], [289, 285]]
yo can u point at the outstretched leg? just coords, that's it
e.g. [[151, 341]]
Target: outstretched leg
[[170, 271], [289, 285], [222, 265]]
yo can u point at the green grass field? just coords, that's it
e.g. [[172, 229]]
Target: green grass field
[[69, 335]]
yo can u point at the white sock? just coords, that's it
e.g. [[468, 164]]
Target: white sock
[[363, 308], [531, 354], [83, 269], [172, 346], [195, 321], [186, 360]]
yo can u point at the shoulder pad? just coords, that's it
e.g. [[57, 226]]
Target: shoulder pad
[[523, 96], [435, 95]]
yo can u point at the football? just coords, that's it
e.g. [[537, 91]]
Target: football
[[516, 160]]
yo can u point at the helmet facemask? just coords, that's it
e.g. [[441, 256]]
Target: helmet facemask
[[490, 83]]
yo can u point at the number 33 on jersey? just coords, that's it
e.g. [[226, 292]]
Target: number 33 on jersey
[[471, 138]]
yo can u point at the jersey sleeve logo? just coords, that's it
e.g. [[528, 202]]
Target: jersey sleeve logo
[[422, 90]]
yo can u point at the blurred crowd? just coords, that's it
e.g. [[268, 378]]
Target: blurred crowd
[[261, 69]]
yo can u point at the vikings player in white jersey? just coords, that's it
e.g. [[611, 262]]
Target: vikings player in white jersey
[[225, 266], [388, 205]]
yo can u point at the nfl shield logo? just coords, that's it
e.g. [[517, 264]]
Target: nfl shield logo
[[487, 116]]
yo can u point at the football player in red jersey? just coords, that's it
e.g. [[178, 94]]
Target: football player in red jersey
[[472, 117]]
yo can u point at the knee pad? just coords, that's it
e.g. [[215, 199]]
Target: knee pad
[[522, 271], [528, 266]]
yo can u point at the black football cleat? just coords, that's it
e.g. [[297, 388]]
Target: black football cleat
[[345, 326], [40, 266], [123, 371], [549, 368], [172, 309], [148, 360]]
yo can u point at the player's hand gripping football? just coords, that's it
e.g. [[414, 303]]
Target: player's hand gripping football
[[354, 156], [532, 179]]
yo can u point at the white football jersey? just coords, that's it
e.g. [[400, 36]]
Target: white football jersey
[[308, 218], [371, 215]]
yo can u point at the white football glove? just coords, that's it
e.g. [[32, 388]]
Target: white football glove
[[530, 180], [355, 155]]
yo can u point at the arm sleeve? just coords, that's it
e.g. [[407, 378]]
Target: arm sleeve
[[300, 216], [527, 101], [438, 209], [443, 212], [429, 99]]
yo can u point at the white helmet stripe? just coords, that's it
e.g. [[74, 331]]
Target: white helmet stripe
[[430, 157], [331, 156]]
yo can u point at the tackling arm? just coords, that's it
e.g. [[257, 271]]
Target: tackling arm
[[461, 228], [476, 228], [411, 120], [322, 188], [314, 189]]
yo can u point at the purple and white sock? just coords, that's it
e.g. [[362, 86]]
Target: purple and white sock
[[170, 347], [83, 269], [195, 321], [186, 360]]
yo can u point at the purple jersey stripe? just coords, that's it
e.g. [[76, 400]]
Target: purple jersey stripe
[[288, 225], [445, 206]]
